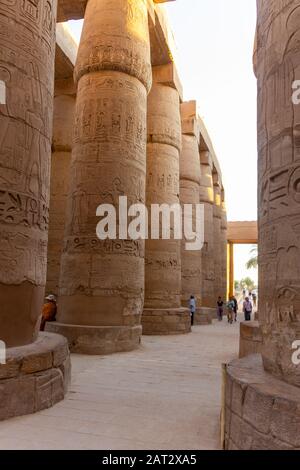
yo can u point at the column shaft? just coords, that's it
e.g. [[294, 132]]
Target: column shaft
[[27, 48], [277, 66], [207, 199], [102, 282], [163, 313], [63, 124]]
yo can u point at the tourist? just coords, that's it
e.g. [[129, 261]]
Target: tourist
[[49, 311], [235, 308], [220, 309], [192, 308], [247, 308], [244, 293], [254, 298], [230, 310]]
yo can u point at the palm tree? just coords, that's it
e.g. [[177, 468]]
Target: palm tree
[[253, 261], [248, 284]]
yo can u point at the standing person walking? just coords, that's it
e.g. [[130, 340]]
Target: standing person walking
[[220, 309], [247, 308], [192, 308], [235, 307], [230, 310]]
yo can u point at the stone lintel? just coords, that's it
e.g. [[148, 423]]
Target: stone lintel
[[262, 412], [168, 75], [206, 145], [243, 232], [65, 53], [205, 158], [189, 123], [35, 377]]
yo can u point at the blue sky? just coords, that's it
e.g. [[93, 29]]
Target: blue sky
[[215, 41]]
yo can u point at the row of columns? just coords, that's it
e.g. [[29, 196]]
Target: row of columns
[[109, 141]]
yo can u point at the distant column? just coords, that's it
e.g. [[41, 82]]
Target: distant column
[[190, 174], [163, 313], [217, 210], [207, 253], [62, 141], [224, 248]]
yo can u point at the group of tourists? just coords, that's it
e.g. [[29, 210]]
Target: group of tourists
[[231, 308]]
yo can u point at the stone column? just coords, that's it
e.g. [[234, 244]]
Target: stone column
[[224, 249], [267, 409], [190, 175], [102, 282], [207, 264], [278, 65], [63, 125], [217, 211], [27, 47], [163, 313]]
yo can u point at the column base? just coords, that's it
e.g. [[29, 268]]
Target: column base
[[35, 377], [209, 311], [173, 321], [250, 338], [202, 317], [262, 412], [98, 340]]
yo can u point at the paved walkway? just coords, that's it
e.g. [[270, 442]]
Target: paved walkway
[[166, 395]]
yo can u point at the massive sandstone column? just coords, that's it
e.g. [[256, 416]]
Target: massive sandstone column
[[27, 47], [190, 174], [163, 313], [207, 264], [63, 125], [223, 246], [217, 212], [102, 282], [266, 408], [278, 65]]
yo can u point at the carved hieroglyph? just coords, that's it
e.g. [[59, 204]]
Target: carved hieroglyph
[[218, 246], [102, 282], [163, 266], [63, 124], [27, 46], [278, 65], [207, 252], [190, 174]]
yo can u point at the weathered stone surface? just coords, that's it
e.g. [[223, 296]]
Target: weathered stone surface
[[166, 322], [201, 318], [207, 252], [217, 238], [250, 338], [63, 119], [35, 377], [262, 412], [190, 174], [163, 257], [27, 48], [98, 340], [102, 282], [224, 250], [277, 66]]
